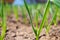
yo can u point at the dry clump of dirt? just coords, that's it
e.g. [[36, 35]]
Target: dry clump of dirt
[[16, 30]]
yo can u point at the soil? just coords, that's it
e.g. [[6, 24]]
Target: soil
[[17, 30]]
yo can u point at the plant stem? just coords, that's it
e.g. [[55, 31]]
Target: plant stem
[[29, 13], [44, 18], [37, 37]]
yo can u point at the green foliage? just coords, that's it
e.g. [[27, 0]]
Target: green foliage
[[54, 17], [44, 17], [34, 11], [3, 16], [57, 3], [23, 10], [15, 10], [37, 32], [8, 7], [30, 17], [3, 24]]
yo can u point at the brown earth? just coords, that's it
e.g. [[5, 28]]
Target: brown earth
[[17, 30]]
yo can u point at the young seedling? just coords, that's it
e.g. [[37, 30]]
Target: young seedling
[[3, 21], [53, 20], [38, 31], [15, 10], [23, 10], [54, 17], [8, 7]]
